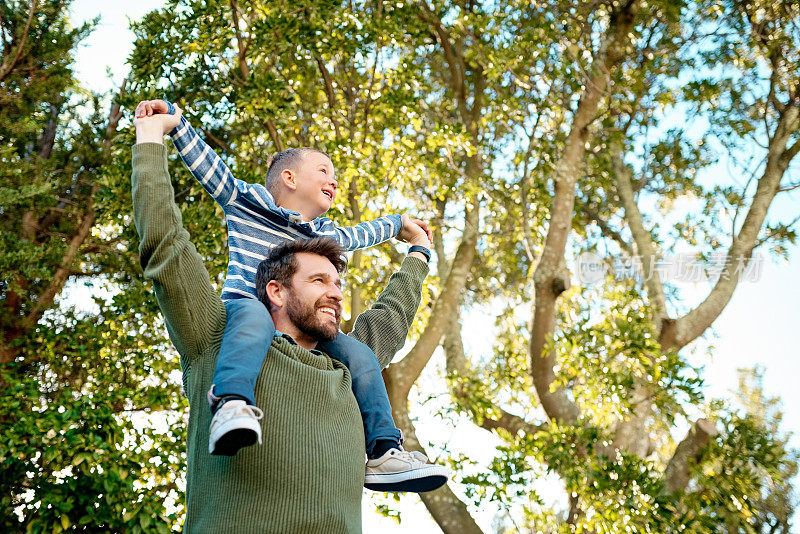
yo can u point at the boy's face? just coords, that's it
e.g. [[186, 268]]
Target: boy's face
[[316, 182]]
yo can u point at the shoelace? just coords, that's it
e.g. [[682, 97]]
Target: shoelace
[[253, 411], [411, 456]]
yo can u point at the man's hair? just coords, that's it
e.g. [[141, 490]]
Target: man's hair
[[281, 262], [287, 159]]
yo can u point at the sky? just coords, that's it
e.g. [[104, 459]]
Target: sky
[[759, 326]]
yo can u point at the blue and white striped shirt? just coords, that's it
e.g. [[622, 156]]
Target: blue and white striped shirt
[[255, 223]]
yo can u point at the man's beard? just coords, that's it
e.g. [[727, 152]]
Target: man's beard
[[305, 318]]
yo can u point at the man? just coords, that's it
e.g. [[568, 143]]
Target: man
[[309, 473]]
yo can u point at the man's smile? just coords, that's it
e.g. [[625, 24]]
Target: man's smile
[[330, 307], [328, 310]]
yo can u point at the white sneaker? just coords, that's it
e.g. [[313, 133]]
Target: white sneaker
[[399, 470], [235, 425]]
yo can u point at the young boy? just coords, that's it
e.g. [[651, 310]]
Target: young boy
[[300, 186]]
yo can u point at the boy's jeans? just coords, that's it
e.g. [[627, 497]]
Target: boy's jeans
[[248, 335]]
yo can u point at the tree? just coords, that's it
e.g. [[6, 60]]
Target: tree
[[776, 502], [576, 374], [73, 381]]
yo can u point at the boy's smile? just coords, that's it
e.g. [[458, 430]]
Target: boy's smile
[[316, 182]]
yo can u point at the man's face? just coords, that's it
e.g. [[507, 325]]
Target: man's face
[[314, 300], [316, 181]]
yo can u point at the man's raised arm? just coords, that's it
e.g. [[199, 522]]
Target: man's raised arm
[[384, 327], [192, 310]]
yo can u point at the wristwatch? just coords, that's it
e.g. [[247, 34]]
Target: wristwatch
[[422, 250]]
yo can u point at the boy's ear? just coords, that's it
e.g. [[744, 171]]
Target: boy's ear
[[289, 179], [275, 293]]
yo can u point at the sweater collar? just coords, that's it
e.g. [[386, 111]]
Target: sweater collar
[[291, 340]]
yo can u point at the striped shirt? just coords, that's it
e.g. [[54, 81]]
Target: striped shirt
[[255, 223]]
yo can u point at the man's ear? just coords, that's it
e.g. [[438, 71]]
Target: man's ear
[[289, 179], [275, 293]]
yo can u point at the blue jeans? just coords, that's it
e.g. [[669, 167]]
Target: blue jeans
[[248, 334]]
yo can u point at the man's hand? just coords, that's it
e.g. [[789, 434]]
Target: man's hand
[[152, 125], [415, 232]]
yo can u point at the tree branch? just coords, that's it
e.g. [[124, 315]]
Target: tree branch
[[55, 286], [79, 237], [219, 142], [49, 134], [244, 70], [527, 236], [368, 100], [695, 322], [7, 67], [273, 134], [791, 152], [676, 475], [605, 229], [409, 368], [328, 83], [513, 424], [456, 364], [115, 114], [457, 81], [641, 237]]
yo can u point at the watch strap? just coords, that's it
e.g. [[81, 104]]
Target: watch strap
[[425, 251]]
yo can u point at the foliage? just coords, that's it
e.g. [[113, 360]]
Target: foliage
[[79, 375]]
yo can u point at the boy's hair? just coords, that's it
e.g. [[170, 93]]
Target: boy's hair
[[286, 159], [281, 262]]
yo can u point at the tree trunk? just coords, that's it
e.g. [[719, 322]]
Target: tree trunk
[[444, 506], [549, 277]]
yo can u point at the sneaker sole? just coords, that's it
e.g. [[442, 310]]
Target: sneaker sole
[[230, 442], [416, 481], [235, 434]]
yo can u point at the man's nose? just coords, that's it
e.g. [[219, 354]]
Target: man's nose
[[335, 293]]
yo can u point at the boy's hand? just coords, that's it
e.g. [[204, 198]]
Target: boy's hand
[[153, 128], [146, 108], [415, 232]]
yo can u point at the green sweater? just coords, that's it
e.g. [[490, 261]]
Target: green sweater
[[308, 474]]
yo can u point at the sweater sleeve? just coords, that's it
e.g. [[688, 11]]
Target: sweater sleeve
[[193, 312], [363, 235], [204, 164], [384, 327]]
